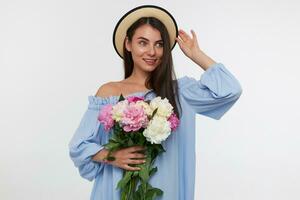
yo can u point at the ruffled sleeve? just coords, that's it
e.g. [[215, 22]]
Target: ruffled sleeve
[[214, 94], [86, 140]]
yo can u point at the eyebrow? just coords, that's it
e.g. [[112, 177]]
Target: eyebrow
[[148, 40]]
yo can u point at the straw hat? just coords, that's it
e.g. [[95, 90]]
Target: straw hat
[[143, 11]]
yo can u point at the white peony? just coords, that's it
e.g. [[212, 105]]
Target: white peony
[[117, 111], [148, 110], [164, 107], [157, 130]]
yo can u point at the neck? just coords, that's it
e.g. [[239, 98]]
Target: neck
[[138, 76]]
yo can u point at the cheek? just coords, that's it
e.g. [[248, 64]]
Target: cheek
[[139, 51], [160, 53]]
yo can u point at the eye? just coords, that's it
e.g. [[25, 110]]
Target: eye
[[160, 44], [142, 42]]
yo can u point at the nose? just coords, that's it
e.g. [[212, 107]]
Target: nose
[[151, 50]]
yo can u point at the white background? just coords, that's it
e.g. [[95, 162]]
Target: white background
[[54, 54]]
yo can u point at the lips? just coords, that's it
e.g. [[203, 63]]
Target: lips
[[150, 61]]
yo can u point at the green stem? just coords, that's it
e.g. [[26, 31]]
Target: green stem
[[131, 188], [144, 190]]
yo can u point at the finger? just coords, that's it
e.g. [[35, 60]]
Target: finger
[[127, 167], [137, 155], [135, 148], [131, 161], [193, 34], [184, 35], [178, 39], [180, 42]]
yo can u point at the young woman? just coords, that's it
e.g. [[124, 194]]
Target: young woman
[[144, 38]]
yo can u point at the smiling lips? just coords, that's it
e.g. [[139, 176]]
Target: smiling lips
[[150, 61]]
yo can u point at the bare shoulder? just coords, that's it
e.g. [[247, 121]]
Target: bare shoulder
[[108, 89], [116, 88]]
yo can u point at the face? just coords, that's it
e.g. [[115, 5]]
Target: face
[[146, 48]]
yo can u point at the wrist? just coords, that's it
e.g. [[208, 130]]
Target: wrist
[[203, 60], [100, 156]]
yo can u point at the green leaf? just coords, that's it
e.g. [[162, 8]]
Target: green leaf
[[121, 98], [115, 138], [111, 145], [152, 171], [126, 178], [117, 128], [135, 173], [137, 195], [154, 112], [130, 142], [144, 173], [141, 140], [153, 193]]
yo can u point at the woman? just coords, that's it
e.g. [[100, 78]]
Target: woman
[[144, 38]]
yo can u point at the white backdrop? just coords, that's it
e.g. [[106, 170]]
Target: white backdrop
[[54, 54]]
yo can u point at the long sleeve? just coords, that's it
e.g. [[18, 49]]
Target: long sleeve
[[86, 142], [214, 94]]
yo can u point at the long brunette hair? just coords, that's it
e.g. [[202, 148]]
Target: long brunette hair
[[163, 79]]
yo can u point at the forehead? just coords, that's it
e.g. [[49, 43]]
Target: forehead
[[147, 31]]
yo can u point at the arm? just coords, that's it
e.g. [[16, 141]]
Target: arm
[[213, 94], [85, 143], [216, 91], [99, 157], [204, 61]]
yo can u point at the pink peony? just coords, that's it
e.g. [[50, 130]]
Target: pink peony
[[134, 99], [105, 117], [174, 121], [134, 118]]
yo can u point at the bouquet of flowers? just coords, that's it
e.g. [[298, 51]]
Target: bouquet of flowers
[[138, 122]]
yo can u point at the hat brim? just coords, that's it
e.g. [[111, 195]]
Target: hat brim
[[133, 15]]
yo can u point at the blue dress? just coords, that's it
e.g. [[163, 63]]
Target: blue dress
[[213, 95]]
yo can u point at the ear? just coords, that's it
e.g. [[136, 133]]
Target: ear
[[127, 44]]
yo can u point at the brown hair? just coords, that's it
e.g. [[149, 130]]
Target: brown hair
[[163, 79]]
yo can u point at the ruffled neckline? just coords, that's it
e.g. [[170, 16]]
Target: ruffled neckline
[[96, 101]]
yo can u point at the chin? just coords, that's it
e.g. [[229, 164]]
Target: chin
[[150, 68]]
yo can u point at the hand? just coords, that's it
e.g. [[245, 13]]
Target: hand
[[128, 156], [188, 45], [191, 49]]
